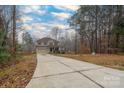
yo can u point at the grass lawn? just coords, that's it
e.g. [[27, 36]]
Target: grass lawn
[[20, 73], [112, 61]]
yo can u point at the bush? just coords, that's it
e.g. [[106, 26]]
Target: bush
[[4, 57]]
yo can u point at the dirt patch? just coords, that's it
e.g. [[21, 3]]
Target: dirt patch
[[19, 74]]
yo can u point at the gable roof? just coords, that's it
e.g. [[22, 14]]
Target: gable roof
[[46, 39]]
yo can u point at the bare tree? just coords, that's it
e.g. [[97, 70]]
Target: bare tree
[[55, 32], [96, 24], [14, 29]]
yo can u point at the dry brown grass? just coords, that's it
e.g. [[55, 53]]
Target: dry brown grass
[[19, 74], [112, 61]]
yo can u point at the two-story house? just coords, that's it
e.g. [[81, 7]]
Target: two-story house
[[47, 44]]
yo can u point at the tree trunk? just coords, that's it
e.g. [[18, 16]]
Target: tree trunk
[[75, 42], [117, 40], [14, 29], [96, 27]]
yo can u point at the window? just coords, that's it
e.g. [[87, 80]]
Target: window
[[45, 43], [51, 43], [39, 43]]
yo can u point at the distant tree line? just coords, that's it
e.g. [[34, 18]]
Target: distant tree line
[[101, 27]]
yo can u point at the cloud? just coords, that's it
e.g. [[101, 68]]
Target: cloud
[[25, 18], [48, 26], [38, 26], [39, 34], [26, 27], [34, 26], [59, 25], [37, 30], [40, 12], [32, 9], [61, 15], [39, 21], [67, 7]]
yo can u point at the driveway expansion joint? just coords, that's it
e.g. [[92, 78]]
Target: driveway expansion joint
[[84, 75], [53, 75], [91, 80]]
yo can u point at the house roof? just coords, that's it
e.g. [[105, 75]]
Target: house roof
[[46, 39]]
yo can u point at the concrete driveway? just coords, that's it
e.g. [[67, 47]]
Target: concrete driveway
[[60, 72]]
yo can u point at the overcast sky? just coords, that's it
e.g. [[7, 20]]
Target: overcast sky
[[39, 20]]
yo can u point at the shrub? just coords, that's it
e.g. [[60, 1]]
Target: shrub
[[4, 57]]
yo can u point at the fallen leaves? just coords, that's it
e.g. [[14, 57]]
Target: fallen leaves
[[19, 74], [108, 60]]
